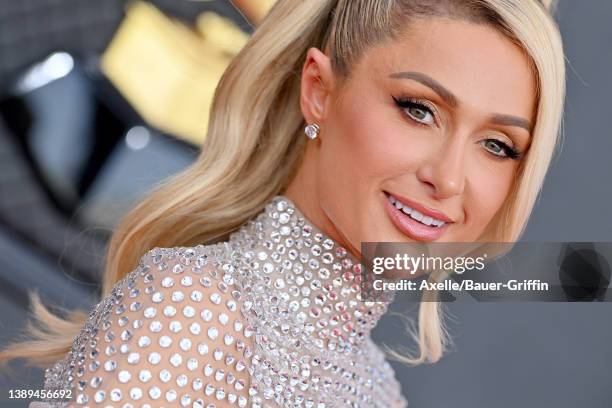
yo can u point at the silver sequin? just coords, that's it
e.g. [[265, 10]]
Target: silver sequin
[[272, 317]]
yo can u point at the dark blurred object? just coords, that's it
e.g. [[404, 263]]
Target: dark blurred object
[[583, 272], [31, 209], [89, 154], [62, 127]]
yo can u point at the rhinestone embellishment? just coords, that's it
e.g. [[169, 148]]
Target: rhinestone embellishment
[[272, 317]]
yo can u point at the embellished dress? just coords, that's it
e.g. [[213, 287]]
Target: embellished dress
[[270, 318]]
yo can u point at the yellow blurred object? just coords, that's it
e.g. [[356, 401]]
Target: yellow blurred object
[[255, 10], [169, 72], [221, 33]]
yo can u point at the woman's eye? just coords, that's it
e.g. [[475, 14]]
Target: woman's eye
[[416, 111], [494, 147], [500, 149], [421, 114]]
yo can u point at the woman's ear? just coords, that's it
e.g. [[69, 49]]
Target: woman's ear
[[317, 86]]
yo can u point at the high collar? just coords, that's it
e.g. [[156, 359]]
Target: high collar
[[301, 284]]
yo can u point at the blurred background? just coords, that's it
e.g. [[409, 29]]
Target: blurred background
[[100, 101]]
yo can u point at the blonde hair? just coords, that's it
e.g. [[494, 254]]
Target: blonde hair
[[254, 143]]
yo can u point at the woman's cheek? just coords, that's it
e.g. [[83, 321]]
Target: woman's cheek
[[489, 194]]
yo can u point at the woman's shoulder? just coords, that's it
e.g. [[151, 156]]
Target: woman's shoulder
[[179, 269], [172, 330], [179, 272], [197, 259]]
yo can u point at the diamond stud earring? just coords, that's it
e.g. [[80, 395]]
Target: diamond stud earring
[[312, 130]]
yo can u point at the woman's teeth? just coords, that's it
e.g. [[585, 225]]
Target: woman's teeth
[[414, 214]]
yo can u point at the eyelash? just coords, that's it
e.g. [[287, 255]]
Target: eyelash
[[405, 103]]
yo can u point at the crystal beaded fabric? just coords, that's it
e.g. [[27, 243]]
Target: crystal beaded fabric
[[270, 318]]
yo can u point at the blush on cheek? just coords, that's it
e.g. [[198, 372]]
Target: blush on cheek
[[372, 143], [482, 212], [488, 184]]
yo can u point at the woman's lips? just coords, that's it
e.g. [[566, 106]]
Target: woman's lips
[[410, 227]]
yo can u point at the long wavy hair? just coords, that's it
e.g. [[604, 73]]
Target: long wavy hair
[[255, 143]]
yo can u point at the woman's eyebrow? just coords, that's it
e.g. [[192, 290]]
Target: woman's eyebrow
[[452, 100], [429, 82], [509, 120]]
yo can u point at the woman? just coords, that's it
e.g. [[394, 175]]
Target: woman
[[425, 120]]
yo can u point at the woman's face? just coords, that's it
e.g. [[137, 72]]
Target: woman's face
[[433, 121]]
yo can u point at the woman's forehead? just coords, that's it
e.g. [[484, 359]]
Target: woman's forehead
[[475, 62]]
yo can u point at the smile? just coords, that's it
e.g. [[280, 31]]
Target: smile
[[414, 223], [414, 214]]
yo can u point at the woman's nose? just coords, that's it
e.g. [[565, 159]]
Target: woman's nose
[[444, 170]]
